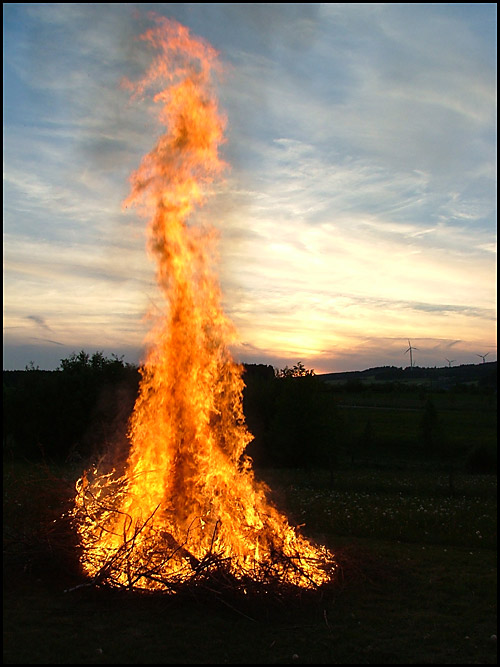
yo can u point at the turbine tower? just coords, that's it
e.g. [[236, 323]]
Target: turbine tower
[[483, 356], [450, 361], [410, 350]]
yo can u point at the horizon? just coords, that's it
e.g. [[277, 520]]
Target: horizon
[[32, 366]]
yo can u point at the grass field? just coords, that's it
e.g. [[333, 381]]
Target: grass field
[[465, 421], [416, 581]]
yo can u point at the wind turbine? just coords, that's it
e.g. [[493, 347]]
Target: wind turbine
[[483, 356], [410, 350], [450, 361]]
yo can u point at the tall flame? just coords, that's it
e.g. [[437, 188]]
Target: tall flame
[[187, 501]]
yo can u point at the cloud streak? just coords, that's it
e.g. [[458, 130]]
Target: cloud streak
[[359, 210]]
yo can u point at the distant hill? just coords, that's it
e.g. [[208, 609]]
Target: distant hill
[[445, 377], [479, 375]]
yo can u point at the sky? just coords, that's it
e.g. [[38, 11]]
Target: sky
[[358, 213]]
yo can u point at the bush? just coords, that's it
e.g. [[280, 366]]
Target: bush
[[68, 412]]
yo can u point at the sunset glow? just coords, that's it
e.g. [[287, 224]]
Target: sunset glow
[[359, 209]]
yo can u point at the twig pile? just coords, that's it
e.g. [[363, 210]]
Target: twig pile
[[150, 558]]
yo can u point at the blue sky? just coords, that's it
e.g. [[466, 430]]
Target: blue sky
[[359, 210]]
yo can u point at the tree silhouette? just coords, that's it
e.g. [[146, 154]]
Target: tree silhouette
[[305, 426], [70, 411], [299, 370]]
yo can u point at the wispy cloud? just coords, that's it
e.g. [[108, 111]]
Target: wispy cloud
[[40, 321], [360, 206]]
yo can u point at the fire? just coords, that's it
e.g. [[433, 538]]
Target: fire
[[187, 502]]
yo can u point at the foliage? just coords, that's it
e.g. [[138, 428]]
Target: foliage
[[292, 418], [299, 370], [70, 412], [296, 417], [304, 425]]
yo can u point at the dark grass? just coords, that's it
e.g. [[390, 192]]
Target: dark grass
[[424, 601], [465, 420]]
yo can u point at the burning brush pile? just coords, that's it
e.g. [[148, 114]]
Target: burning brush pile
[[186, 507]]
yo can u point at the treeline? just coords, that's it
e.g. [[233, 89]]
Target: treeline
[[484, 375], [292, 417], [80, 410], [83, 407], [69, 413], [301, 421]]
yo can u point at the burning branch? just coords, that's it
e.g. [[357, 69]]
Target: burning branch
[[149, 557]]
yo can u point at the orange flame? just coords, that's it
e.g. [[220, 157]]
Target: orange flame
[[188, 500]]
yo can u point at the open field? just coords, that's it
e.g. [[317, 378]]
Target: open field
[[417, 580], [465, 420]]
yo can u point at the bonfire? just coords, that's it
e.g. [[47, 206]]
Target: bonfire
[[186, 505]]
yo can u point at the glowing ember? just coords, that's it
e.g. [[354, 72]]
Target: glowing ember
[[187, 503]]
